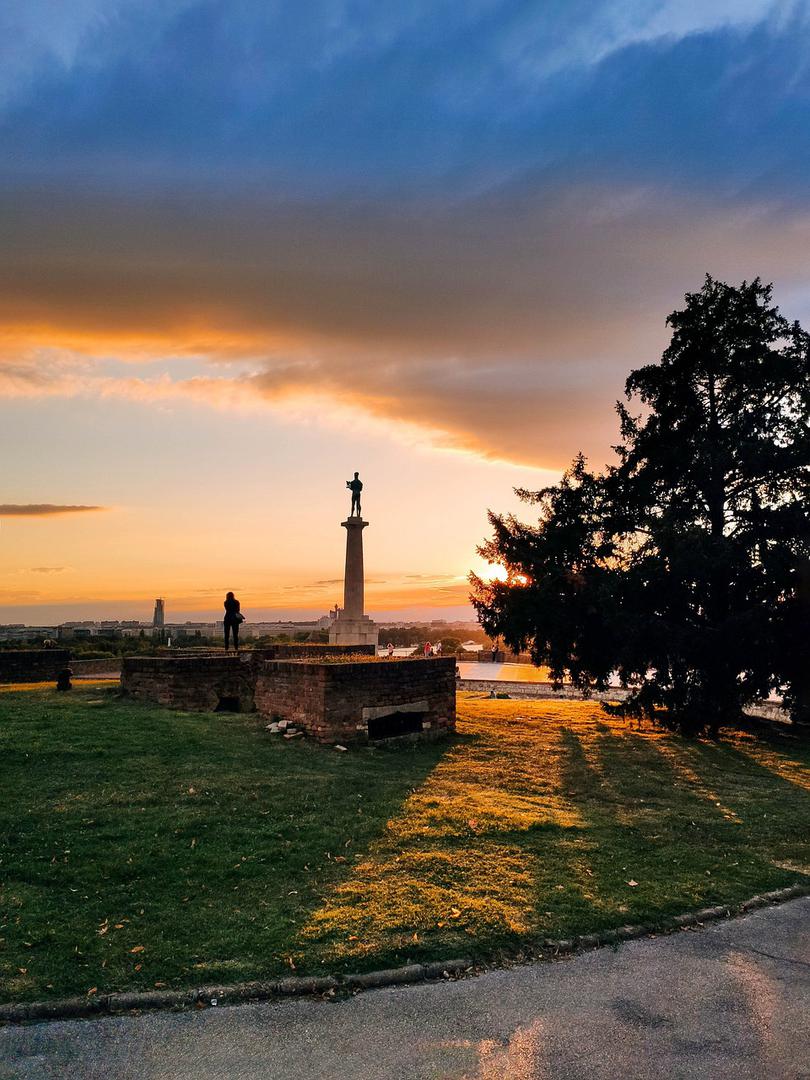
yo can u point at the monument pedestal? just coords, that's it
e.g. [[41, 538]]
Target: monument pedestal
[[361, 631], [352, 626]]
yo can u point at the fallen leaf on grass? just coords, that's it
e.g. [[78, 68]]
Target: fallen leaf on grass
[[138, 967], [92, 990], [455, 913], [137, 949], [632, 883]]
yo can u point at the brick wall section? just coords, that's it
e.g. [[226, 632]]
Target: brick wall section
[[190, 683], [32, 665], [327, 700]]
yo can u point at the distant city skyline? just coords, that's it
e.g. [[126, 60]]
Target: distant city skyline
[[53, 614]]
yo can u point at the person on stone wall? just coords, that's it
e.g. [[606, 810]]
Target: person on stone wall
[[233, 617]]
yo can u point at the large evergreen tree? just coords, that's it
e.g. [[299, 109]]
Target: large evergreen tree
[[681, 565]]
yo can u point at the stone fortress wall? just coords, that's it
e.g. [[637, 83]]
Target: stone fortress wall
[[361, 701], [208, 683], [32, 665], [335, 694]]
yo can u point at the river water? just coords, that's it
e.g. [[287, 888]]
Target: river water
[[482, 669]]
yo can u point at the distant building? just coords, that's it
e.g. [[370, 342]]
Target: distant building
[[193, 630], [250, 629], [26, 634], [159, 617]]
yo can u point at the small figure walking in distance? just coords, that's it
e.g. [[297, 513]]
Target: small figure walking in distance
[[233, 617], [390, 650], [355, 486]]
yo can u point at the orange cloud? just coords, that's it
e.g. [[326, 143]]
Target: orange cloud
[[502, 326]]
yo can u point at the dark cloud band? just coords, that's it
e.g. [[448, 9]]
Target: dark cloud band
[[44, 510]]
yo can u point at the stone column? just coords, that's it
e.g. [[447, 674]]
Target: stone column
[[354, 581], [352, 626]]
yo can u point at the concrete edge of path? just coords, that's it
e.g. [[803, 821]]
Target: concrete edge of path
[[299, 986]]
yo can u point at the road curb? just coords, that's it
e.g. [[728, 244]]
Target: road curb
[[319, 986]]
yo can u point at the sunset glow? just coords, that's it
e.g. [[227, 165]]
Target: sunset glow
[[245, 254]]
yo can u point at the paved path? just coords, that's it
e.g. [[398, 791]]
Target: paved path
[[731, 1002]]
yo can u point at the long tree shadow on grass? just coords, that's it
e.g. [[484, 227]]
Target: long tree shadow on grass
[[458, 869], [634, 862], [143, 846], [688, 824], [540, 828], [763, 781]]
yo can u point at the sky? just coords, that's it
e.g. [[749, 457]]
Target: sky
[[248, 248]]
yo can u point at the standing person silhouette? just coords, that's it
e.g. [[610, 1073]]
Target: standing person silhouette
[[355, 486], [233, 617]]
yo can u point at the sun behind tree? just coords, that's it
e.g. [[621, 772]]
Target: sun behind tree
[[681, 566]]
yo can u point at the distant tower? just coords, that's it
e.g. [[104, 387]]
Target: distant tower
[[158, 619]]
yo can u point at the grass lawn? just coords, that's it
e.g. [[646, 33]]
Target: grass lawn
[[142, 847]]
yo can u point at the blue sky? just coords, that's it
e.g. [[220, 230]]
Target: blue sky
[[384, 99], [453, 228]]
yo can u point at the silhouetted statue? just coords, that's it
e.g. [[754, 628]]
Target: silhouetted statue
[[355, 486]]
